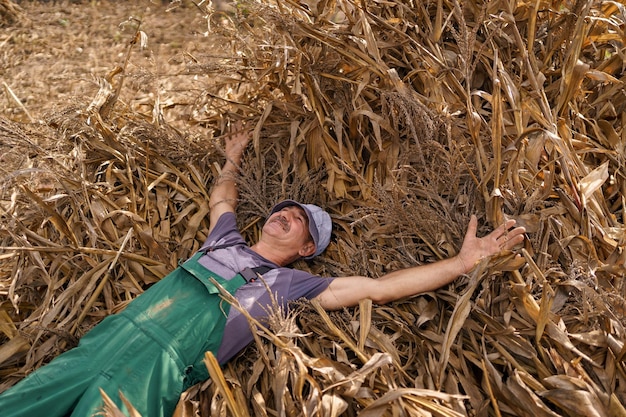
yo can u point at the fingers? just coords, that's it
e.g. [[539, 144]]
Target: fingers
[[472, 227], [235, 129], [516, 236], [237, 137], [511, 238], [505, 236]]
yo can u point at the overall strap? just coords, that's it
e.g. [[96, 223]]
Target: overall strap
[[252, 274], [201, 273]]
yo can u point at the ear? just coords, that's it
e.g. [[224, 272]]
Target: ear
[[307, 249]]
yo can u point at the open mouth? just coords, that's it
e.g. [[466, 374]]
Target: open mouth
[[282, 221]]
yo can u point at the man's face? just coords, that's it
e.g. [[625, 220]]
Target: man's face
[[290, 224]]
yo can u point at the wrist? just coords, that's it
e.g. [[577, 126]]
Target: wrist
[[230, 167], [463, 266], [233, 160]]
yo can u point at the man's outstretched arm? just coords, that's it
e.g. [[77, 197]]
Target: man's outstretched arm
[[224, 194], [348, 291]]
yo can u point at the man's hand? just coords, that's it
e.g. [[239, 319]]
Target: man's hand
[[476, 248], [224, 194], [235, 142]]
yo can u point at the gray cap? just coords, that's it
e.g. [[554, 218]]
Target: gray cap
[[320, 224]]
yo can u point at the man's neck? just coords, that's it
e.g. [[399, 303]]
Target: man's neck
[[272, 253]]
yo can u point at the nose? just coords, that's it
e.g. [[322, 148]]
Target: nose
[[287, 212]]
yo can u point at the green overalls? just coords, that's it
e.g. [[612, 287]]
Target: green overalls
[[151, 352]]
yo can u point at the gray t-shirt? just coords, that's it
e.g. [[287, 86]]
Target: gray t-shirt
[[286, 284]]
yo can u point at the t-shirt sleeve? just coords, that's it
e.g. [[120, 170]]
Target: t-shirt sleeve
[[225, 232], [307, 285]]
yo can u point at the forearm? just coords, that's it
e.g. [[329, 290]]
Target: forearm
[[348, 291], [225, 188], [418, 279], [224, 194]]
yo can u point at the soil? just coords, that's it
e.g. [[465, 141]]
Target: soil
[[58, 51]]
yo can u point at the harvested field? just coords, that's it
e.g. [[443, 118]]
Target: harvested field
[[400, 118]]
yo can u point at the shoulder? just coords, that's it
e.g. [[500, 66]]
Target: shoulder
[[225, 232], [218, 209], [304, 284]]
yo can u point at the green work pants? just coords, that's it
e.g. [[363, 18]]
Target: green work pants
[[151, 352]]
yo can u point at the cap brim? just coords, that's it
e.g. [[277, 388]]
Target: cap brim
[[312, 226]]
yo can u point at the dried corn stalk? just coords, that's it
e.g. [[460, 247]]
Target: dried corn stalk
[[402, 118]]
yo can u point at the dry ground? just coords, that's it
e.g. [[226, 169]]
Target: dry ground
[[54, 56]]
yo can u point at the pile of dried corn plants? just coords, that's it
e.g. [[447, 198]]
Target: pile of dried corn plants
[[402, 118], [10, 13]]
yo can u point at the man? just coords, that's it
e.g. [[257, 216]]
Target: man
[[154, 349]]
